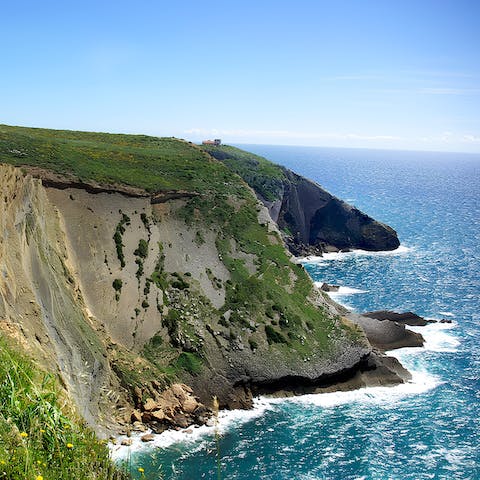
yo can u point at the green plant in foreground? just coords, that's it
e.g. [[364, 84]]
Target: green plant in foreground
[[40, 437]]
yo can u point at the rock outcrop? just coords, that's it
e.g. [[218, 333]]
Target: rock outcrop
[[318, 221]]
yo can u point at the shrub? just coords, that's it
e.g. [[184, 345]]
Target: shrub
[[142, 249], [189, 362], [273, 336], [117, 285]]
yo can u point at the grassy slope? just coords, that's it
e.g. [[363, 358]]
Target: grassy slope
[[152, 163], [262, 175], [40, 437]]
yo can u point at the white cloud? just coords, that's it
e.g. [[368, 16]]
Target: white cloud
[[286, 134]]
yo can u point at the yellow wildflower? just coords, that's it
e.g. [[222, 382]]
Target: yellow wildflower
[[140, 469], [24, 434], [69, 445], [38, 477], [42, 430], [2, 462]]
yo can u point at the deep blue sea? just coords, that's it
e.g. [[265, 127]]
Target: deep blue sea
[[429, 429]]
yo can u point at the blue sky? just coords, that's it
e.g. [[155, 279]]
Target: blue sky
[[379, 74]]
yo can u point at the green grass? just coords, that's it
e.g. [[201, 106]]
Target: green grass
[[262, 175], [40, 436], [151, 163]]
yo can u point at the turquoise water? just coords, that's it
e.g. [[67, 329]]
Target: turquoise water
[[426, 430]]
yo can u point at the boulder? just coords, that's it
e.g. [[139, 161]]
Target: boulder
[[158, 415], [329, 288], [150, 405], [136, 416], [190, 404], [149, 437]]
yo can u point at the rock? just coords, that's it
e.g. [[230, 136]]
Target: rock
[[329, 288], [178, 391], [158, 414], [149, 437], [139, 427], [150, 405], [406, 318], [386, 335], [180, 420], [189, 405], [138, 394], [445, 320], [127, 442], [136, 416]]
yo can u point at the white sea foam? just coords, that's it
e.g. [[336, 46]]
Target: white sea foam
[[401, 250], [421, 382], [342, 290], [447, 314], [437, 337], [341, 294], [191, 435]]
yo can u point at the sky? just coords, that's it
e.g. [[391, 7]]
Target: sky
[[399, 74]]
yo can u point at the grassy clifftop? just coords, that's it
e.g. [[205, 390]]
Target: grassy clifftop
[[151, 163]]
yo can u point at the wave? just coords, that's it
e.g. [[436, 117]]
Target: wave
[[421, 382], [437, 338], [401, 250], [191, 435]]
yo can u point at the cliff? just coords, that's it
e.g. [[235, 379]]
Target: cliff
[[129, 264], [311, 219]]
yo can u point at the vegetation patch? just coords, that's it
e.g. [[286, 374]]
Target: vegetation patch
[[39, 436], [117, 286], [118, 238], [189, 362], [273, 336]]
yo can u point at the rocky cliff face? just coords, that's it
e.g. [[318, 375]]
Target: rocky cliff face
[[318, 221]]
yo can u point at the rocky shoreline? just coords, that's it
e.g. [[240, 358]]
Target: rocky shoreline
[[177, 408]]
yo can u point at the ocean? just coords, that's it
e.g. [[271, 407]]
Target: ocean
[[427, 429]]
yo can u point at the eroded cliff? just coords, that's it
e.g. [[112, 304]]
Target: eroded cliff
[[124, 291]]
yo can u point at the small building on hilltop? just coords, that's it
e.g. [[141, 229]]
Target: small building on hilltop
[[215, 142]]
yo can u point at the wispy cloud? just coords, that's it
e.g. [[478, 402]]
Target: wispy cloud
[[450, 91], [356, 77], [287, 134], [452, 138]]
